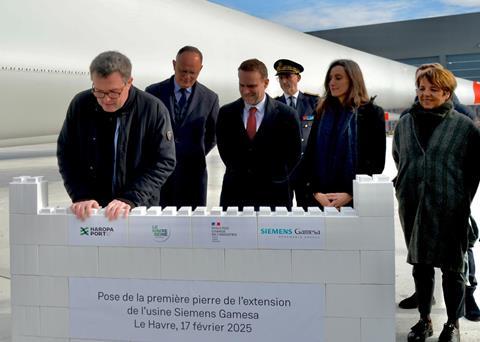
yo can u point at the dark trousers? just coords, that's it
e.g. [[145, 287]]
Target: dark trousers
[[453, 284], [471, 270]]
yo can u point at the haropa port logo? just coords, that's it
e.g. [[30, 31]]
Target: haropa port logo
[[97, 231]]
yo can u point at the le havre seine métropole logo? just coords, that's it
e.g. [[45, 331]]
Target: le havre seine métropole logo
[[160, 234], [96, 231]]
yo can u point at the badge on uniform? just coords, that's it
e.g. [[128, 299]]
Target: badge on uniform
[[169, 135], [307, 117]]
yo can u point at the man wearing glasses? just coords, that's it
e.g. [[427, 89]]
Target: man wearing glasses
[[116, 148]]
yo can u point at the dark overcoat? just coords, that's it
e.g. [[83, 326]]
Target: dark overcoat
[[194, 138], [435, 186], [258, 171]]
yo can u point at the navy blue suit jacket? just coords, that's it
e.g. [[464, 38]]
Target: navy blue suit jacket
[[194, 138], [258, 171], [306, 105]]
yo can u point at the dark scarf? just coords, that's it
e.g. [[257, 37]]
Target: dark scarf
[[427, 120], [336, 150]]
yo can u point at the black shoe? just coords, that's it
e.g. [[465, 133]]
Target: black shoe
[[420, 331], [412, 302], [472, 313], [450, 333]]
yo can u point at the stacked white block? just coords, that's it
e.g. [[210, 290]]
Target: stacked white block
[[350, 253]]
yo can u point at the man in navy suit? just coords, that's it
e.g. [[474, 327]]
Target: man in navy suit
[[288, 73], [193, 110], [259, 142]]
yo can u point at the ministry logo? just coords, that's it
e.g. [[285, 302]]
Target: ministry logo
[[160, 234]]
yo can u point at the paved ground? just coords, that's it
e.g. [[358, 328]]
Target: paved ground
[[40, 160]]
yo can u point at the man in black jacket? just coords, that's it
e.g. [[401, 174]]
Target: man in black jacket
[[288, 73], [116, 148], [259, 142]]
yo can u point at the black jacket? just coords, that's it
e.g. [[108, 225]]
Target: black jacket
[[145, 150], [258, 172], [371, 145]]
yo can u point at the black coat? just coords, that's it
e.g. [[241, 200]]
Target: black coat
[[194, 138], [145, 150], [257, 172], [371, 146]]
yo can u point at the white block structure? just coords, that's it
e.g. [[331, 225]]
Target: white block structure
[[349, 254]]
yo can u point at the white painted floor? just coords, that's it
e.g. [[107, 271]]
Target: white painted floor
[[40, 160]]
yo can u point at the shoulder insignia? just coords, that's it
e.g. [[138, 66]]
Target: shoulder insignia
[[169, 135]]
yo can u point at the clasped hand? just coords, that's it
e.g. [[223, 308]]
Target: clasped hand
[[334, 199]]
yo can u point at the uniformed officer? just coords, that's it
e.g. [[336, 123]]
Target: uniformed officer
[[288, 73]]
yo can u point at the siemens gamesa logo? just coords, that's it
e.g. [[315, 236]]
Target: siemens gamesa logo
[[276, 231]]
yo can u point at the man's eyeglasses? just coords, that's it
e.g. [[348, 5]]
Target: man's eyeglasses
[[111, 94]]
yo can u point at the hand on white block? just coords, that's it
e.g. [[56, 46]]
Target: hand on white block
[[83, 209], [115, 208]]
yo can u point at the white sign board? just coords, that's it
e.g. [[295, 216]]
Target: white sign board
[[195, 311], [97, 231], [292, 232], [224, 231]]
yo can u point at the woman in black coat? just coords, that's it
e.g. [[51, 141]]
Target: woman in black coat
[[347, 137]]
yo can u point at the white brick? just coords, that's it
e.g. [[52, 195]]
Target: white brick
[[52, 229], [338, 329], [53, 260], [53, 291], [82, 340], [360, 233], [24, 259], [360, 301], [38, 339], [83, 261], [176, 263], [258, 265], [54, 322], [376, 233], [199, 264], [326, 266], [373, 198], [378, 330], [208, 264], [24, 290], [23, 229], [342, 232], [29, 196], [377, 267], [15, 198], [25, 320], [129, 262]]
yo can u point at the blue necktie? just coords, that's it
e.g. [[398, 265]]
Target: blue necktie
[[183, 98]]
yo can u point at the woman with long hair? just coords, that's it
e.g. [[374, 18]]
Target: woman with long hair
[[347, 138]]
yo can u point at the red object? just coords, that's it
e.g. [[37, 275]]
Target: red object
[[386, 116], [251, 123], [476, 91]]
